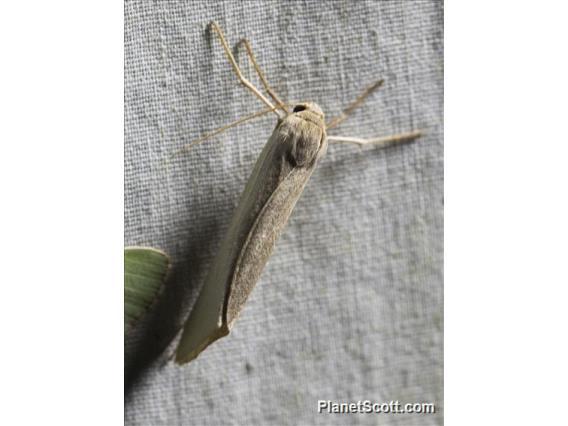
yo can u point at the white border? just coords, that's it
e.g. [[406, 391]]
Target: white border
[[61, 173], [506, 195]]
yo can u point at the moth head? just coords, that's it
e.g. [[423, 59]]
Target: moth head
[[308, 108]]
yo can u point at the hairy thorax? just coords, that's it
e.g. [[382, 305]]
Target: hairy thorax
[[303, 131]]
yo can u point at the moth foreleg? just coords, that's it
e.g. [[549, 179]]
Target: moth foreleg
[[381, 142], [237, 70], [258, 70]]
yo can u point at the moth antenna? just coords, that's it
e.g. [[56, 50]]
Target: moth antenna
[[237, 70], [258, 70], [355, 104], [224, 128], [381, 142]]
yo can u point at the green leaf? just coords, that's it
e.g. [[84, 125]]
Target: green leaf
[[145, 271]]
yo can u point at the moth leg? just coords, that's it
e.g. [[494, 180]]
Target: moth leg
[[237, 70], [382, 142], [356, 103], [258, 70], [224, 128]]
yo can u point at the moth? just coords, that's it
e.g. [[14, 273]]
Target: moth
[[280, 174]]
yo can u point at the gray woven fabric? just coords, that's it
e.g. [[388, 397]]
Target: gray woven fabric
[[350, 305]]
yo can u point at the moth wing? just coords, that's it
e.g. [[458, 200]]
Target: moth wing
[[261, 239], [270, 195], [205, 323]]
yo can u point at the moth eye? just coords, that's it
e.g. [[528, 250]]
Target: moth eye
[[299, 108]]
